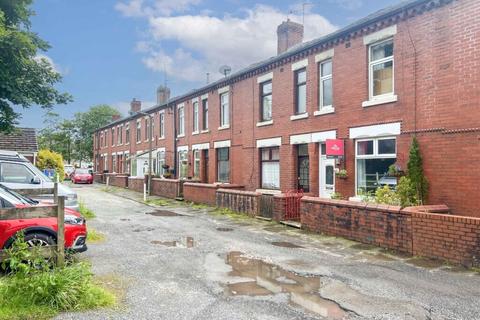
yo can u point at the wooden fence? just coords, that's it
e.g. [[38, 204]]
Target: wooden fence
[[57, 209]]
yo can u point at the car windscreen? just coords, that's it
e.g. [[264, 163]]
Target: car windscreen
[[82, 171], [18, 196]]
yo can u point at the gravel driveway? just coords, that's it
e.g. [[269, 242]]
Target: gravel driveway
[[178, 262]]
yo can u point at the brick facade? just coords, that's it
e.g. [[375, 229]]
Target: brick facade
[[437, 93], [238, 201], [169, 188]]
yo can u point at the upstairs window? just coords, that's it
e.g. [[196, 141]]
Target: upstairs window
[[266, 101], [147, 134], [381, 69], [195, 116], [205, 114], [139, 131], [113, 136], [127, 134], [181, 121], [224, 110], [162, 124], [301, 91], [325, 71]]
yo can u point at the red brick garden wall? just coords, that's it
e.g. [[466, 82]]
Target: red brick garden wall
[[204, 192], [135, 184], [119, 181], [168, 188], [239, 201], [381, 225]]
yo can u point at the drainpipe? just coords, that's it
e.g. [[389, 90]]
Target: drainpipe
[[174, 140]]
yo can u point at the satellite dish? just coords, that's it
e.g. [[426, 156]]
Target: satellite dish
[[225, 70]]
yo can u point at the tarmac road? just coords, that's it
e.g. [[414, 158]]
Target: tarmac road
[[198, 265]]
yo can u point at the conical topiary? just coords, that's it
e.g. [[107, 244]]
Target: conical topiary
[[415, 172]]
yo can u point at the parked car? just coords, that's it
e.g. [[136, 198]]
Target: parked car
[[16, 172], [40, 231], [82, 175], [68, 169]]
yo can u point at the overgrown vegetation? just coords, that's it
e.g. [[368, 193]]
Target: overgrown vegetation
[[34, 288], [158, 202], [47, 159], [230, 213], [85, 211], [94, 236]]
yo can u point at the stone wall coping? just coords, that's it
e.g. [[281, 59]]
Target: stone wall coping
[[166, 180], [241, 192], [445, 217], [355, 204], [436, 208], [200, 185]]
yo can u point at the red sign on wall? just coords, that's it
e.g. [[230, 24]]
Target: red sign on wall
[[335, 147]]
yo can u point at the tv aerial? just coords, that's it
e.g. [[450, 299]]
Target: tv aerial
[[225, 70]]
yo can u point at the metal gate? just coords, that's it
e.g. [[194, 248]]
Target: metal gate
[[266, 206], [292, 205]]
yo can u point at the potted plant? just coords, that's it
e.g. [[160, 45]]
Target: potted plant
[[342, 174], [395, 170]]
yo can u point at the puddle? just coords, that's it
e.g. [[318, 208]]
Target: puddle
[[269, 279], [124, 219], [224, 229], [186, 242], [143, 229], [163, 213], [285, 244]]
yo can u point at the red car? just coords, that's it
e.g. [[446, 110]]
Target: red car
[[40, 231], [82, 176]]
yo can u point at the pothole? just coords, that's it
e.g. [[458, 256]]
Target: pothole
[[224, 229], [285, 244], [124, 219], [143, 229], [186, 242], [269, 279], [163, 213]]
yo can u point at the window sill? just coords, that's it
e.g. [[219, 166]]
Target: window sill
[[205, 131], [299, 116], [378, 101], [195, 133], [264, 123], [224, 127], [268, 191], [180, 135], [161, 138], [323, 111]]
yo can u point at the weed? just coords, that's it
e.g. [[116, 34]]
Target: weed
[[158, 202], [230, 213], [199, 206], [94, 236], [86, 212], [35, 289]]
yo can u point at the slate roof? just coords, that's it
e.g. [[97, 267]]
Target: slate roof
[[21, 140]]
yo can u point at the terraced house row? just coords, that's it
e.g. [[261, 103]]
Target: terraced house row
[[362, 91]]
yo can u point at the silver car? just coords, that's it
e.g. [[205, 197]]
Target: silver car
[[16, 172]]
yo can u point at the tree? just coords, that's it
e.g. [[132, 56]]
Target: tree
[[415, 172], [86, 124], [47, 159], [25, 79], [57, 135]]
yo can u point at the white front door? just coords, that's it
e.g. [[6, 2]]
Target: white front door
[[327, 177]]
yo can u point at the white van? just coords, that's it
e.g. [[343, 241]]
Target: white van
[[16, 172]]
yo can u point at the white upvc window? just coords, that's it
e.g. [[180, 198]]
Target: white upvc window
[[381, 70], [151, 120], [139, 131], [113, 136], [196, 163], [326, 85], [224, 110], [162, 124], [161, 162], [147, 129], [373, 158], [195, 117], [181, 121], [182, 164]]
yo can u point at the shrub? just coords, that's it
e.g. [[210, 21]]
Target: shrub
[[415, 172], [47, 159], [336, 196], [407, 192], [86, 212], [385, 195]]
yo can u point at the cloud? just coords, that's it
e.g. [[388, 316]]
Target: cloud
[[202, 43], [142, 8], [53, 65], [348, 4]]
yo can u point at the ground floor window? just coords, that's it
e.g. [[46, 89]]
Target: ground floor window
[[223, 164], [303, 167], [373, 158], [114, 163], [270, 168], [196, 163], [133, 168], [183, 164], [161, 162]]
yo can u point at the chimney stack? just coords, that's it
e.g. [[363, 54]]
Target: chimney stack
[[135, 106], [289, 33], [163, 94], [116, 117]]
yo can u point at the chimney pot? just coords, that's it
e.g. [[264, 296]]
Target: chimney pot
[[116, 117], [163, 94], [289, 34], [135, 106]]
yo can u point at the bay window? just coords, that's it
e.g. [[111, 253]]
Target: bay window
[[266, 101], [373, 157], [270, 168], [223, 164], [381, 69]]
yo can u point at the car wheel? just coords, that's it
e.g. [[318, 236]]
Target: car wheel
[[39, 240]]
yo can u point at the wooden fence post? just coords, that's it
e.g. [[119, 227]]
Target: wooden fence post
[[61, 231], [55, 192]]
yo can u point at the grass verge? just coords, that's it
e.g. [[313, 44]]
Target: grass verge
[[159, 202], [86, 212]]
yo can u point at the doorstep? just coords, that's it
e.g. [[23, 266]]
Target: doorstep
[[291, 223]]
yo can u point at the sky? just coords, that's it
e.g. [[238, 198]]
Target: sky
[[110, 51]]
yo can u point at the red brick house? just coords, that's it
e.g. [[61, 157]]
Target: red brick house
[[408, 69]]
